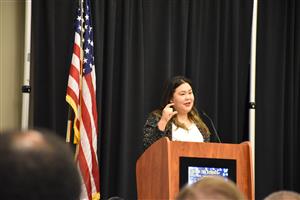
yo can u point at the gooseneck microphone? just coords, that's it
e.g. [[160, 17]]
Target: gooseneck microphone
[[212, 124]]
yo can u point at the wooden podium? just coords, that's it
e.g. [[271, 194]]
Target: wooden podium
[[157, 170]]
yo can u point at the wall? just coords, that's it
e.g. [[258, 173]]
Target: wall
[[12, 15]]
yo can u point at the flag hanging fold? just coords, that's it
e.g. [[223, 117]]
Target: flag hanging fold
[[81, 96]]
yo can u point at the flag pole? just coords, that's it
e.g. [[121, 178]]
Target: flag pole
[[252, 104], [69, 124], [26, 88]]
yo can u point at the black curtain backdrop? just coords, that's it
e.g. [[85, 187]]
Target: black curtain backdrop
[[278, 73], [140, 43]]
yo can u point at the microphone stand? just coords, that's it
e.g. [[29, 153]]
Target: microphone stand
[[213, 126]]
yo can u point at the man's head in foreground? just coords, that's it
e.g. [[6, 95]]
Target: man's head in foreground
[[37, 165]]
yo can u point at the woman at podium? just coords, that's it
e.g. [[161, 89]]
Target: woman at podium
[[177, 118]]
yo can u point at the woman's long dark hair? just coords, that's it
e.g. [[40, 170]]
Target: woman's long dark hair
[[193, 115]]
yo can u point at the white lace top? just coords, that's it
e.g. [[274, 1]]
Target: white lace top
[[191, 135]]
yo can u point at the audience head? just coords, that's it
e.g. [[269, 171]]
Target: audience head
[[37, 165], [211, 187], [115, 198], [283, 194]]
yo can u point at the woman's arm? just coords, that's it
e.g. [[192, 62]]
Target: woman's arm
[[151, 131]]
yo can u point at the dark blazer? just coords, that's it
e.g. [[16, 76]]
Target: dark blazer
[[152, 133]]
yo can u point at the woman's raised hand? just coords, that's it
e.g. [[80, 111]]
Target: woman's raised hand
[[167, 113]]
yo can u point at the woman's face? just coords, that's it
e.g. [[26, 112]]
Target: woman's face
[[183, 98]]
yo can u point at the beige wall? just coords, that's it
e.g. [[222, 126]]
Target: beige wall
[[12, 15]]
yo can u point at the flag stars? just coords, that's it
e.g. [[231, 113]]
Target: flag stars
[[83, 26], [82, 19], [87, 68]]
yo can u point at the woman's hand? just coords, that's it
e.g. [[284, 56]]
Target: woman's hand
[[167, 113]]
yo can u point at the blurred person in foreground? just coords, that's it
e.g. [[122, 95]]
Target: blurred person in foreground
[[37, 165], [283, 194], [211, 187]]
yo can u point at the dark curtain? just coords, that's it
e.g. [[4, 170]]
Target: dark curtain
[[140, 43], [52, 38], [278, 73]]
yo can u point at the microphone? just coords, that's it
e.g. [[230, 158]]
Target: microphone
[[212, 124]]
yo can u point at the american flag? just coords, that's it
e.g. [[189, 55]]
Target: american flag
[[81, 96]]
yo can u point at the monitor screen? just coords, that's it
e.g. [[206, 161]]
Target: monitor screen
[[193, 169]]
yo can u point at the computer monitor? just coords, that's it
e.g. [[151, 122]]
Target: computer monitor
[[192, 169]]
